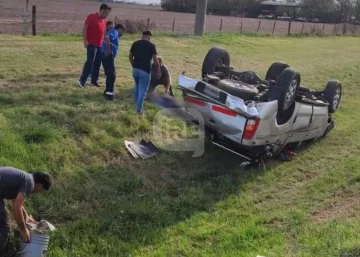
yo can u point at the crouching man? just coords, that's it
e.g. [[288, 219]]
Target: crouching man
[[109, 51], [16, 185], [163, 79]]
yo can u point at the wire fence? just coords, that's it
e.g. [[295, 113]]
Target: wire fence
[[37, 20]]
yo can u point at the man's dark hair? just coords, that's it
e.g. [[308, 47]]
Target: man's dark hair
[[120, 26], [109, 23], [105, 7], [42, 178], [147, 33]]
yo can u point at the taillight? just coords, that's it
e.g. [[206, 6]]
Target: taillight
[[251, 127], [194, 101], [222, 110]]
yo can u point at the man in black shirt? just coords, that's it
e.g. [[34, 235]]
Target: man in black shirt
[[164, 78], [16, 185], [141, 54]]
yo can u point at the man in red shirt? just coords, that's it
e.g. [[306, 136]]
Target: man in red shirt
[[93, 34]]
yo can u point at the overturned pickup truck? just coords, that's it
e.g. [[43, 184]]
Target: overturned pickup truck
[[257, 118]]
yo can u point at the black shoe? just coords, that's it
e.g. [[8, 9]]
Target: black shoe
[[95, 84], [109, 97]]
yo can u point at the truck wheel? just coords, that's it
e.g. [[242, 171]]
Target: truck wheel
[[215, 58], [285, 89], [332, 94], [275, 70]]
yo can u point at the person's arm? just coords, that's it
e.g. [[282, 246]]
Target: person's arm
[[167, 84], [85, 35], [85, 32], [17, 210], [131, 56], [156, 61], [27, 217], [131, 59], [108, 45]]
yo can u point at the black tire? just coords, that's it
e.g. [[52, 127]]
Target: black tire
[[275, 70], [236, 88], [214, 57], [332, 94], [285, 90]]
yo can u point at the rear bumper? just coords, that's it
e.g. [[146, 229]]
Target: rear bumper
[[248, 153]]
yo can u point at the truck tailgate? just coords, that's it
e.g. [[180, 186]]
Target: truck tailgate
[[219, 118]]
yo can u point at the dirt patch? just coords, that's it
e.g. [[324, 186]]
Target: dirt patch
[[343, 208]]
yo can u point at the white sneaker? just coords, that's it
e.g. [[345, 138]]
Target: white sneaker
[[80, 84]]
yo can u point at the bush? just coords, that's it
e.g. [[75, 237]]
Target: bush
[[136, 26]]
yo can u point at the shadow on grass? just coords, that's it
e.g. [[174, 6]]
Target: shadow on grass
[[351, 253]]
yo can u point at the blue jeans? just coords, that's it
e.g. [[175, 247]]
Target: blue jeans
[[4, 228], [142, 82], [92, 65]]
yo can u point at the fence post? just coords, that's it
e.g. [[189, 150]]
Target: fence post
[[148, 23], [25, 18], [335, 29], [323, 29], [259, 26], [34, 20], [289, 28], [173, 26], [302, 28], [221, 25], [241, 28], [354, 30], [273, 27], [344, 29]]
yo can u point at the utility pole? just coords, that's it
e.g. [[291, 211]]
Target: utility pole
[[201, 8], [25, 18]]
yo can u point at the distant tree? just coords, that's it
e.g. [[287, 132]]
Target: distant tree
[[325, 10], [346, 9]]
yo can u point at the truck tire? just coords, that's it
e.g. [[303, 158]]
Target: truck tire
[[216, 56], [332, 94], [285, 90], [239, 89], [275, 70]]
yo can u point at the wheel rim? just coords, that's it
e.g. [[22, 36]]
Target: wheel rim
[[336, 100], [290, 93], [218, 64]]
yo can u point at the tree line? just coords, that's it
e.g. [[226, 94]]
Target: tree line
[[333, 11]]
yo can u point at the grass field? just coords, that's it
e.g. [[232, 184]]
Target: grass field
[[107, 204]]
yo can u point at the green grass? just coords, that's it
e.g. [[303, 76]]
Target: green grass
[[107, 204]]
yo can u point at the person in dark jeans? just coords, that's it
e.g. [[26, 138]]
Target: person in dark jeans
[[164, 79], [109, 50], [141, 53], [93, 34], [16, 185]]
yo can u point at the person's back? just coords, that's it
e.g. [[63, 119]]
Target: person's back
[[140, 56], [143, 51], [13, 181]]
